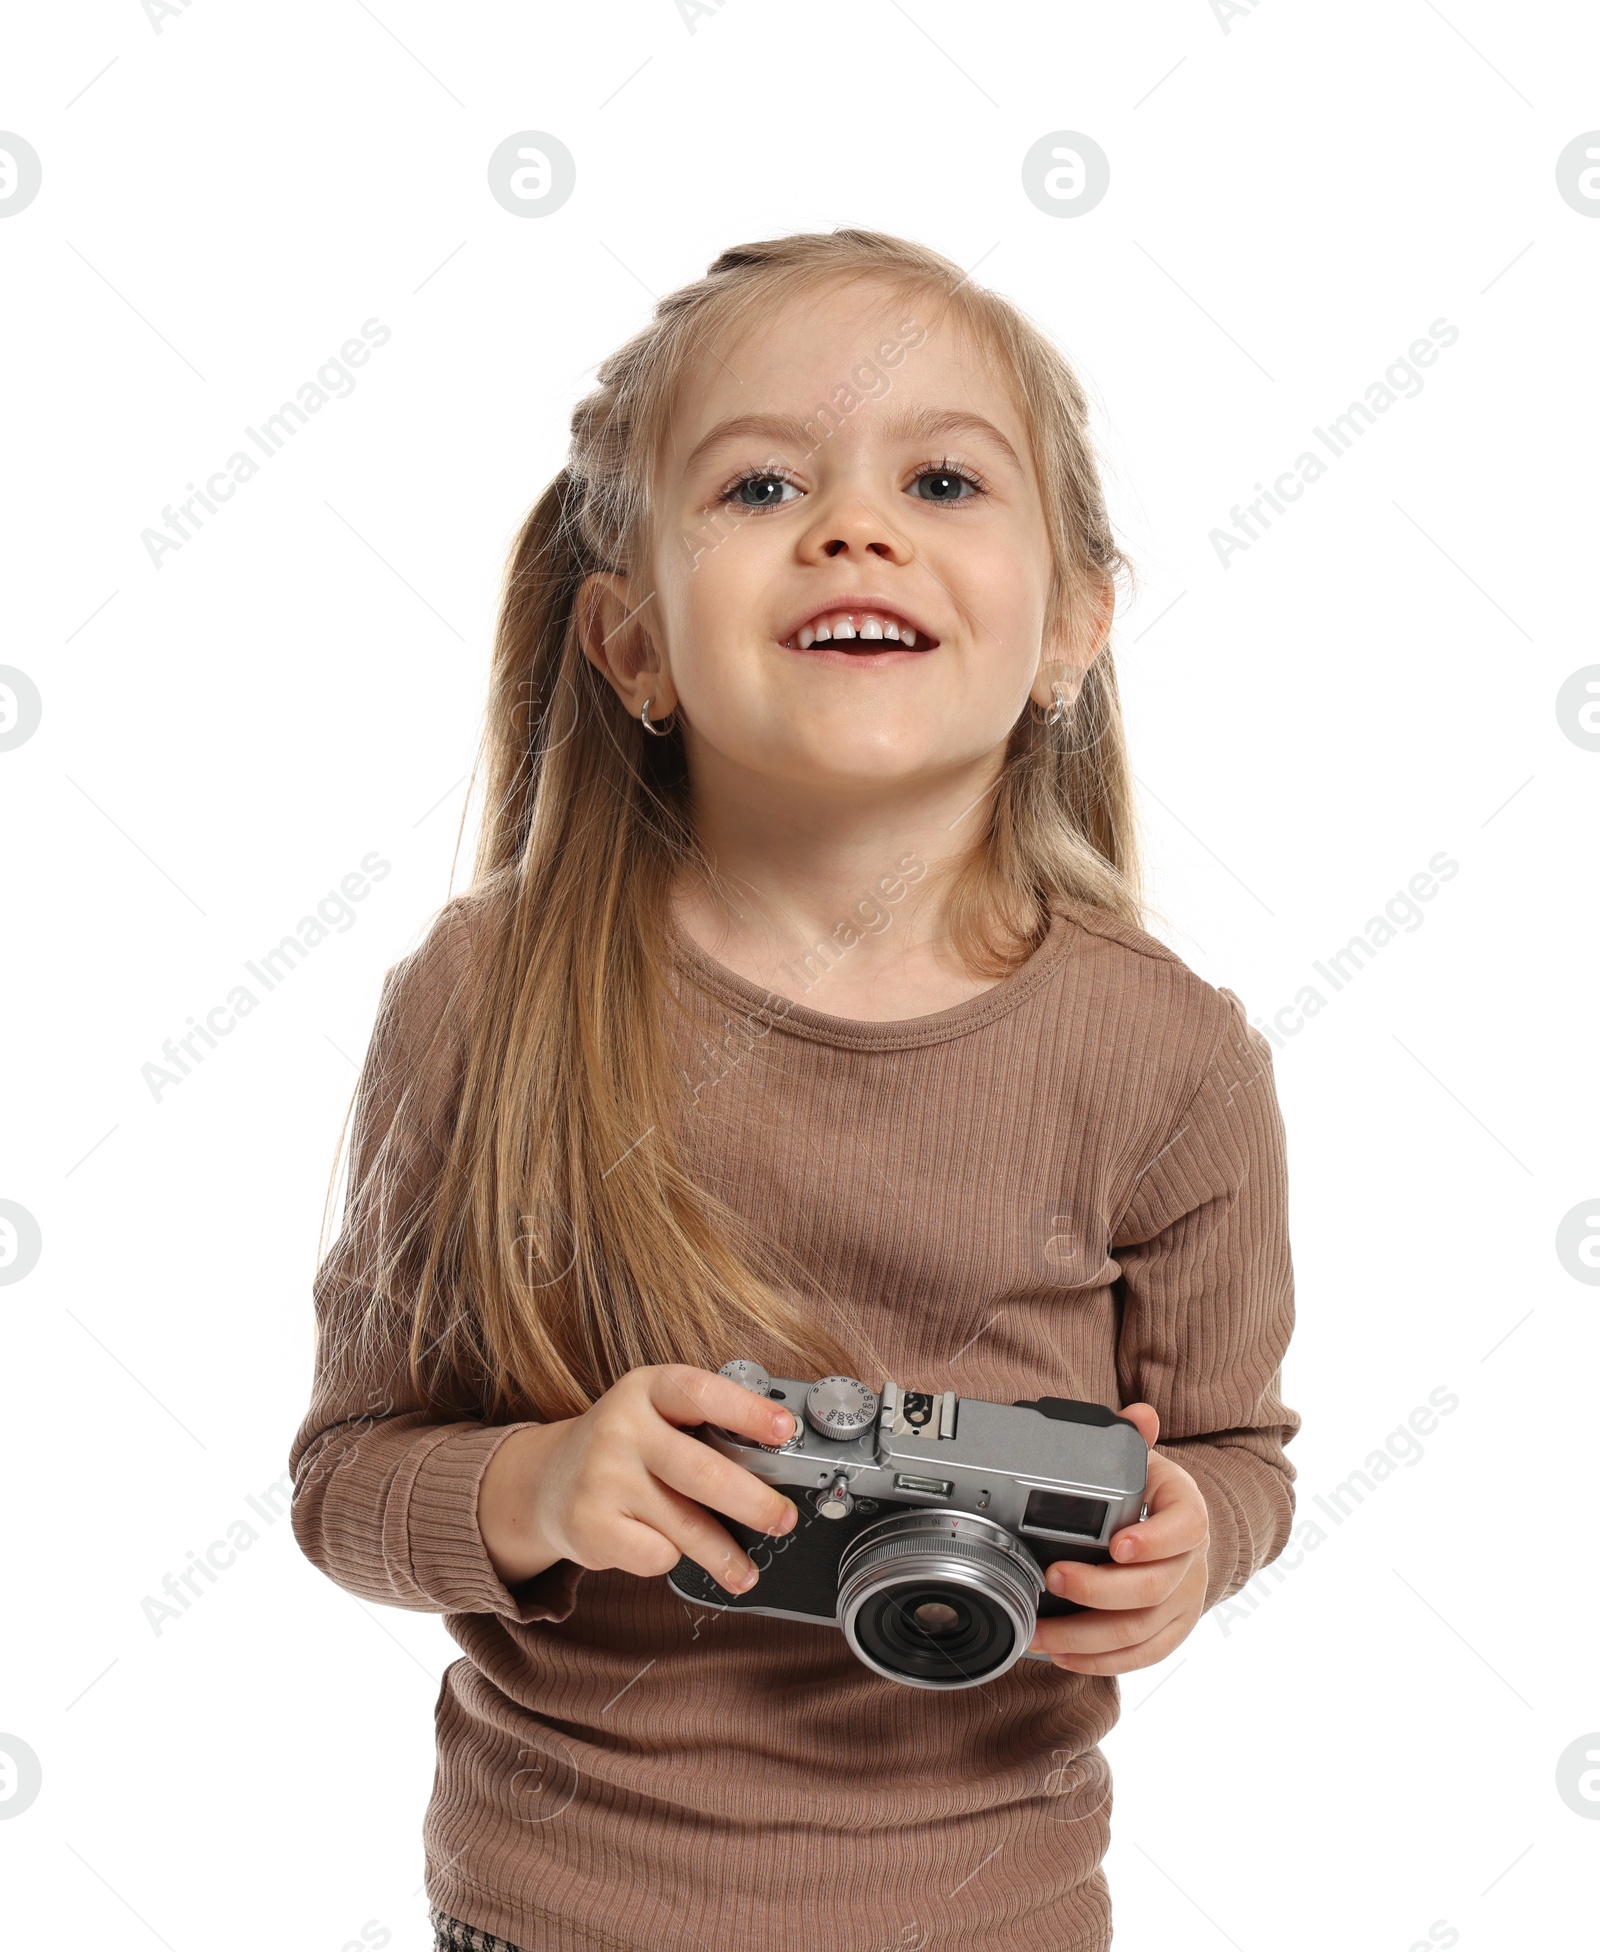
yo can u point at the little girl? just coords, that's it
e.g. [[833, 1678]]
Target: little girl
[[800, 1010]]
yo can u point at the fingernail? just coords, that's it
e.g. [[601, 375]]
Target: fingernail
[[744, 1581], [790, 1517]]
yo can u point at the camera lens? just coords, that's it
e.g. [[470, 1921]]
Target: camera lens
[[938, 1599], [934, 1632]]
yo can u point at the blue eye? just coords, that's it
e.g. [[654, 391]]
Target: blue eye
[[763, 484], [947, 484]]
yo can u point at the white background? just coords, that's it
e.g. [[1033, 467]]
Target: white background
[[1296, 193]]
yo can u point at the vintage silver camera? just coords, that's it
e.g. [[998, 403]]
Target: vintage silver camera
[[926, 1520]]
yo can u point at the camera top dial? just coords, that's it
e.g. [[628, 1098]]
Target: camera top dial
[[840, 1407], [748, 1374]]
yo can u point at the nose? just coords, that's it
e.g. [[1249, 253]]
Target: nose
[[851, 524]]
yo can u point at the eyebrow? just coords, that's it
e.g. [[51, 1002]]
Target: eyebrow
[[923, 422]]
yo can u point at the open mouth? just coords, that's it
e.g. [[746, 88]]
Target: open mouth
[[866, 631]]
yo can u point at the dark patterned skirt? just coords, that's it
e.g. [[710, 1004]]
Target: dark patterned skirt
[[450, 1935]]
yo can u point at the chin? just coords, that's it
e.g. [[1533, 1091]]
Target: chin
[[894, 759]]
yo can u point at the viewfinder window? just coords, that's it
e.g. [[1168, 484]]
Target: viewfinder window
[[1065, 1512]]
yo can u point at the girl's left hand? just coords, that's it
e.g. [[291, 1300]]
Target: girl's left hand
[[1149, 1601]]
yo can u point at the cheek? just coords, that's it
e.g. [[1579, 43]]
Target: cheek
[[708, 677], [1008, 590], [709, 590], [720, 676], [1009, 641]]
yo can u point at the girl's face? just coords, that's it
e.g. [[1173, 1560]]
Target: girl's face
[[854, 469]]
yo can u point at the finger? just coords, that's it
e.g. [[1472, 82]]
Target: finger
[[652, 1548], [685, 1464], [1124, 1660], [1100, 1633], [1145, 1418], [1115, 1588], [686, 1395], [1177, 1520], [690, 1532]]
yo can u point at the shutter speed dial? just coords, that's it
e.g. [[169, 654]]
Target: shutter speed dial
[[840, 1407]]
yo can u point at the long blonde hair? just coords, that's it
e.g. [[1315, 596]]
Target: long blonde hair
[[561, 1242]]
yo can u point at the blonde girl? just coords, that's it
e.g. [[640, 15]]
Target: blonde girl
[[800, 1010]]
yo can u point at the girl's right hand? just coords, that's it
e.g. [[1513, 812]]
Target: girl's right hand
[[624, 1484]]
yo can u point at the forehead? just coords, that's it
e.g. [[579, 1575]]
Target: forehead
[[901, 355]]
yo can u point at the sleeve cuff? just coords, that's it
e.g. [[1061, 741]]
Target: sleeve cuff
[[449, 1560], [1225, 1574]]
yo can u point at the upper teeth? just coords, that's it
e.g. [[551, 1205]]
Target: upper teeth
[[856, 623]]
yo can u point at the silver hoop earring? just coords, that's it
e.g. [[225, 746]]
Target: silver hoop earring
[[660, 730], [1057, 711]]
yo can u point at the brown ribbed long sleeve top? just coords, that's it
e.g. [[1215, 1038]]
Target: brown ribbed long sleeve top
[[1072, 1184]]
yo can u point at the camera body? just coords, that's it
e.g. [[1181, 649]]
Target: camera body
[[927, 1519]]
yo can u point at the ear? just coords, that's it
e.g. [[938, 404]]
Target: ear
[[1072, 645], [616, 640]]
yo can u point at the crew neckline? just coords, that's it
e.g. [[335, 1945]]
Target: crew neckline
[[866, 1033]]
